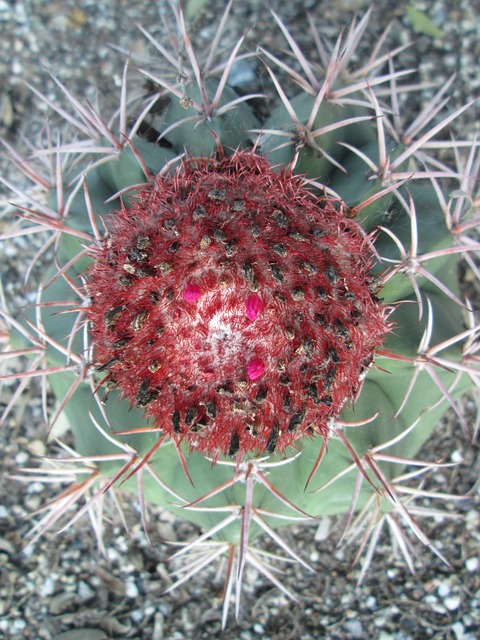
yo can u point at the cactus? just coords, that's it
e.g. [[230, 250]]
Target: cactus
[[252, 320]]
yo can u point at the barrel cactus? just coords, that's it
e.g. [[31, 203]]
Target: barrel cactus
[[252, 317]]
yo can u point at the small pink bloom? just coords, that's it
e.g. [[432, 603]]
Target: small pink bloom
[[192, 293], [253, 306], [255, 368]]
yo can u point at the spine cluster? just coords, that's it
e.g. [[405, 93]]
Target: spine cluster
[[234, 306]]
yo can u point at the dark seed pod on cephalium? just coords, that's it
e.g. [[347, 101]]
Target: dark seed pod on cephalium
[[244, 343]]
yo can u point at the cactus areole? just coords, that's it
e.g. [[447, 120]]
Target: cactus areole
[[234, 306]]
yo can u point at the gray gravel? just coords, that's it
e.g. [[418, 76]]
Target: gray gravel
[[61, 585]]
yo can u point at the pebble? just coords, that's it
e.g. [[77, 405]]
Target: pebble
[[131, 589], [354, 628], [323, 530], [85, 591], [48, 587], [452, 602]]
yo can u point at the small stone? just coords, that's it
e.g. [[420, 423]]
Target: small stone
[[21, 458], [48, 587], [459, 630], [323, 530], [354, 629], [85, 591], [131, 590], [452, 603]]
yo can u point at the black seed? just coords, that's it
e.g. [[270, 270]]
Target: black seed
[[108, 365], [219, 236], [225, 389], [261, 394], [348, 295], [255, 230], [143, 242], [285, 379], [248, 272], [298, 293], [137, 255], [312, 392], [272, 438], [199, 213], [176, 421], [277, 273], [238, 205], [321, 293], [280, 249], [329, 378], [319, 319], [145, 395], [217, 194], [280, 218], [199, 426], [229, 248], [355, 315], [139, 320], [332, 274], [341, 330], [111, 316], [170, 294], [327, 400], [121, 342], [307, 266], [191, 415], [234, 444], [287, 401], [211, 409], [125, 281], [296, 235], [165, 267], [145, 273], [333, 355], [296, 420], [308, 347], [169, 224]]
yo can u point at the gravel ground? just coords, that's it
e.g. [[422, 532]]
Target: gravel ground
[[61, 586]]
